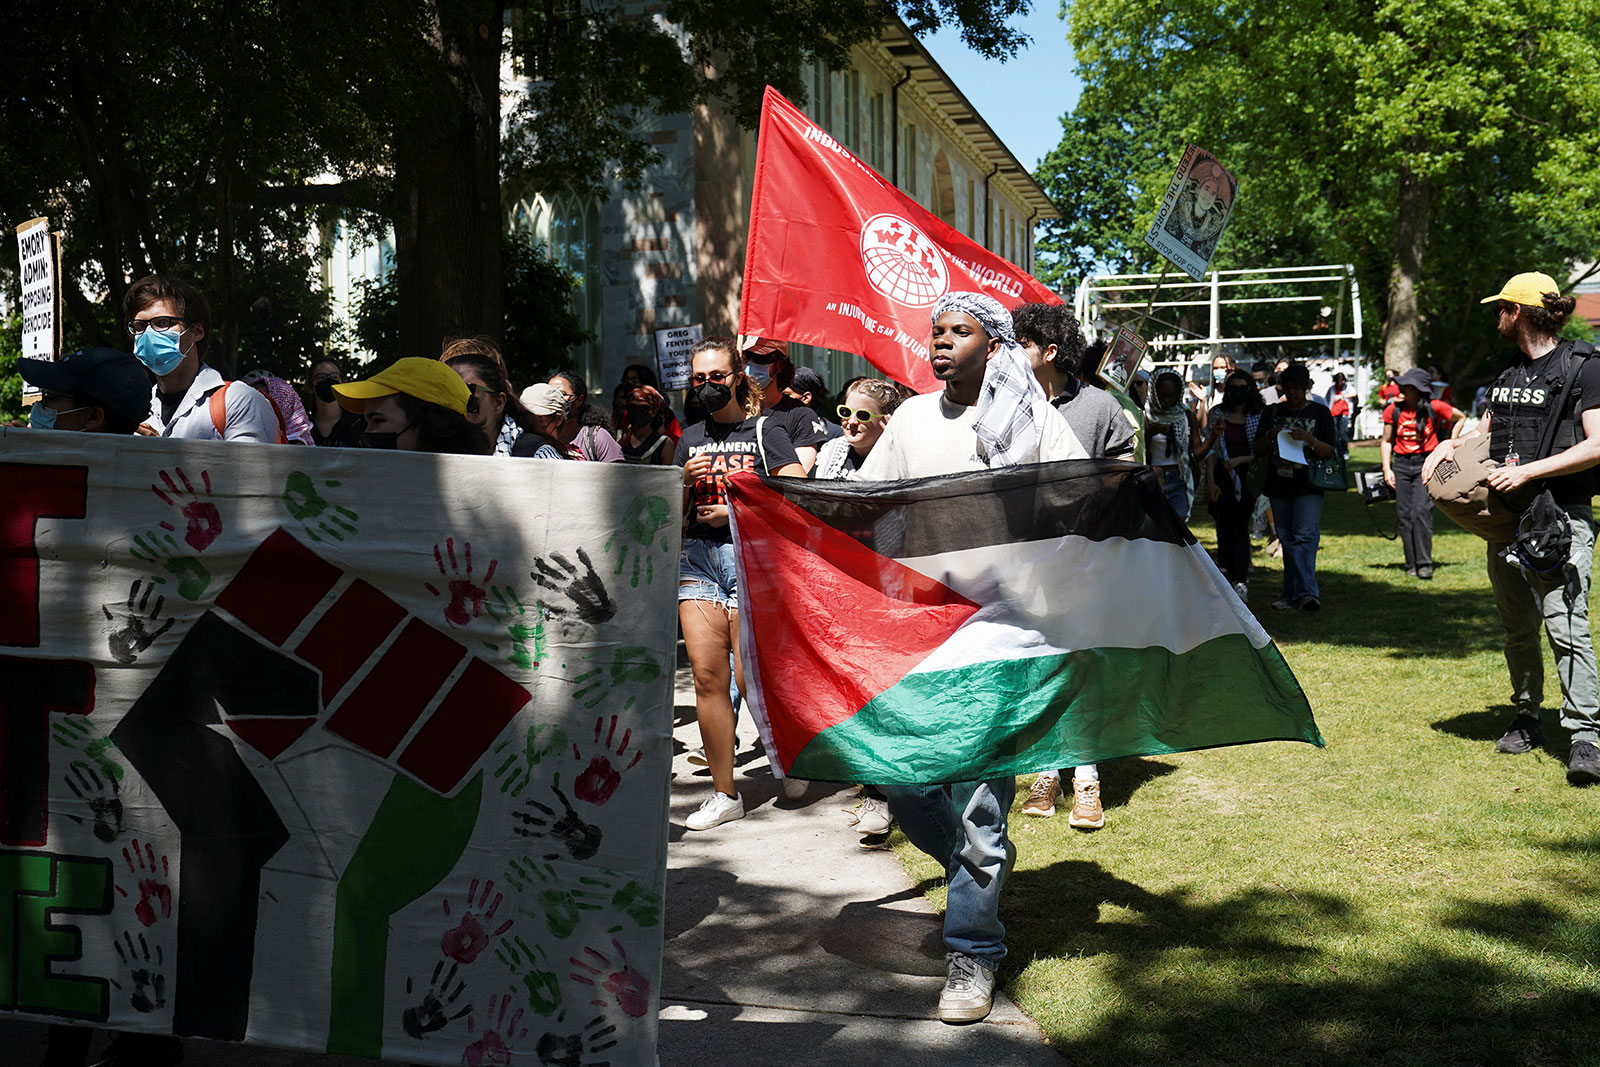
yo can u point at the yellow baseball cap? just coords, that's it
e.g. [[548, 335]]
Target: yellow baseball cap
[[426, 379], [1526, 289]]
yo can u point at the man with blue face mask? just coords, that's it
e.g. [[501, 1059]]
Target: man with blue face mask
[[169, 320], [98, 390]]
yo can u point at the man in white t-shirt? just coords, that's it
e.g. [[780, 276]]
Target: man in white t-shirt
[[990, 411]]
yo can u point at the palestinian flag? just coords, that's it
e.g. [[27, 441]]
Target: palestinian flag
[[991, 623]]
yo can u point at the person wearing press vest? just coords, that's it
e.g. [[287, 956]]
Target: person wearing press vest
[[1523, 400]]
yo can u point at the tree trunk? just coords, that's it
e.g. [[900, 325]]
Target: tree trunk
[[1402, 329], [446, 211]]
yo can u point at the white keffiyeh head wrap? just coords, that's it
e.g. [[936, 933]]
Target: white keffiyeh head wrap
[[1012, 406]]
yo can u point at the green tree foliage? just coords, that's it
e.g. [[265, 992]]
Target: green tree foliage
[[1440, 147]]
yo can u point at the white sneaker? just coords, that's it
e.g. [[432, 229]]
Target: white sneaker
[[717, 809], [1242, 589], [697, 756], [968, 990], [874, 817], [794, 788]]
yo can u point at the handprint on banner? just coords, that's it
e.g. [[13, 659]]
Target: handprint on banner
[[515, 772], [629, 989], [432, 1012], [507, 608], [630, 665], [308, 507], [583, 590], [137, 630], [79, 736], [102, 795], [148, 974], [161, 549], [645, 517], [153, 887], [466, 941], [577, 1049], [642, 905], [499, 1035], [465, 595], [204, 520], [561, 906], [533, 967], [580, 839], [599, 780]]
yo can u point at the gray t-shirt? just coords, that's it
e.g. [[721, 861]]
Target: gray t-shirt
[[1098, 420]]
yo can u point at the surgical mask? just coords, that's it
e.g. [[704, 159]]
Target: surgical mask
[[43, 418], [324, 390], [159, 350], [714, 395], [389, 441], [760, 373]]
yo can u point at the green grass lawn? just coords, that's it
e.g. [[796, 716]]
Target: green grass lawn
[[1403, 896]]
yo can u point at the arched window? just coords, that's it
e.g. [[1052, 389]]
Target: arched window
[[944, 191], [568, 229]]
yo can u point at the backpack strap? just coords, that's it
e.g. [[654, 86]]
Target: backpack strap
[[1571, 361], [218, 402], [589, 434], [761, 447]]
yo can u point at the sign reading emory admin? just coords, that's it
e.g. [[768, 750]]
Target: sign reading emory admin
[[40, 253], [1194, 212]]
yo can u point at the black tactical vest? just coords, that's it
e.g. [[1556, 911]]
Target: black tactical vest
[[1523, 399]]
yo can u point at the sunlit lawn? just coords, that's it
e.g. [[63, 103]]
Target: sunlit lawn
[[1403, 896]]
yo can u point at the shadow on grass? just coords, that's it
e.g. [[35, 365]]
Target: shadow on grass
[[1492, 722], [1243, 980], [1120, 779]]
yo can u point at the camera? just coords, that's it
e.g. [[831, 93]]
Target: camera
[[1372, 487]]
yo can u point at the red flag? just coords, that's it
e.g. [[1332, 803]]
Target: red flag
[[839, 257]]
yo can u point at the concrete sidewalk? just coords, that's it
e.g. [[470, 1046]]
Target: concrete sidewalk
[[786, 943]]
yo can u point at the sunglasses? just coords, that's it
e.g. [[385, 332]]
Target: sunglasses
[[160, 322], [859, 414], [481, 390], [718, 376]]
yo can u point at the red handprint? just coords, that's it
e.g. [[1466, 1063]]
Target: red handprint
[[466, 941], [205, 522], [153, 888], [492, 1047], [629, 988], [466, 596], [600, 778]]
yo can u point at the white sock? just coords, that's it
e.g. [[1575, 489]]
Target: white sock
[[1089, 772]]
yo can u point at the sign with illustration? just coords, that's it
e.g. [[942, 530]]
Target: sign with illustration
[[1194, 212], [349, 751], [1125, 350]]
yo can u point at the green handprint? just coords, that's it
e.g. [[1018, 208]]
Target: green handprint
[[153, 548], [561, 905], [641, 904], [307, 506], [505, 606], [645, 516], [81, 737], [544, 989], [517, 769], [630, 665]]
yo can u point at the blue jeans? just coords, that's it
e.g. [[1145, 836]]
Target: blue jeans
[[964, 829], [1299, 520], [1174, 490]]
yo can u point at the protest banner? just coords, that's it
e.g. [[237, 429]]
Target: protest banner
[[840, 257], [673, 345], [991, 623], [1124, 352], [39, 252], [350, 751], [1194, 212]]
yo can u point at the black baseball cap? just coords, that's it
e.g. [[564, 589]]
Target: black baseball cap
[[114, 380]]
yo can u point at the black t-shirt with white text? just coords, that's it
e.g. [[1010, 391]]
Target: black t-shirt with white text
[[732, 446], [1289, 479], [805, 427], [1522, 401]]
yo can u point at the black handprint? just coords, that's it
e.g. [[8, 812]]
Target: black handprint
[[577, 1050], [149, 984], [581, 839], [134, 636], [433, 1012], [103, 797], [586, 591]]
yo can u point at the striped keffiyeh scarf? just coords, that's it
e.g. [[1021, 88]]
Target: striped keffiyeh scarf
[[1012, 406]]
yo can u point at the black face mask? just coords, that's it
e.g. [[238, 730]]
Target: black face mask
[[388, 441], [714, 395], [324, 390], [638, 416]]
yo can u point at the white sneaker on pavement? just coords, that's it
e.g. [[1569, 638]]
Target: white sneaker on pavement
[[717, 809], [794, 788], [874, 817], [697, 756], [968, 990]]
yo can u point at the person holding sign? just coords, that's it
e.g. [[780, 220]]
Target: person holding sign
[[1303, 428], [169, 321]]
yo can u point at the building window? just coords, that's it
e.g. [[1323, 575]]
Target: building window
[[909, 176], [944, 193], [568, 229], [878, 151], [852, 110]]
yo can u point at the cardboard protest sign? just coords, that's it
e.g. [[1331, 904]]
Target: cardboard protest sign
[[1194, 212], [349, 751], [39, 252], [673, 346], [1124, 352], [839, 257]]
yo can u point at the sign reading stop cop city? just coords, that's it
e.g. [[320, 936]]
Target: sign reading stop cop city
[[840, 257]]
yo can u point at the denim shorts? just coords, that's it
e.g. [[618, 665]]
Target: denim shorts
[[706, 572]]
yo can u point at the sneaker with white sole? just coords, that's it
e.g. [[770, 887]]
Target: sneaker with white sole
[[1283, 603], [874, 817], [968, 992], [717, 809], [794, 788], [1086, 814], [697, 756], [1242, 590], [1042, 797]]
